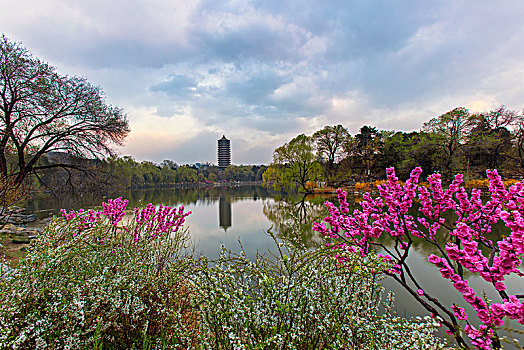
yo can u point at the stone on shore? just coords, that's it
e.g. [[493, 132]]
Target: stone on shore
[[18, 219]]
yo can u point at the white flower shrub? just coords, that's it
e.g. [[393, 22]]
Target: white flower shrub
[[94, 285], [77, 287], [301, 299]]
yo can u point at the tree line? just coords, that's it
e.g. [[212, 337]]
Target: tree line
[[455, 142], [126, 172]]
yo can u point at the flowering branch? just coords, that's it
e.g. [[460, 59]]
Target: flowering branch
[[472, 221]]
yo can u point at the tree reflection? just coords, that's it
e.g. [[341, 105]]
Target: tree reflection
[[174, 196], [293, 218]]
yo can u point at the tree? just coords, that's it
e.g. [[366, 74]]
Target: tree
[[186, 174], [329, 142], [488, 145], [503, 130], [295, 163], [404, 151], [450, 132], [519, 143], [42, 111], [366, 146]]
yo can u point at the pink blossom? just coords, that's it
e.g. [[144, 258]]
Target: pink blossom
[[466, 215]]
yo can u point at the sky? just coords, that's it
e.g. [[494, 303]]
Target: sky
[[261, 72]]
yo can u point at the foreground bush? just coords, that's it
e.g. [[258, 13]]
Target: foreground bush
[[301, 299], [89, 283], [93, 280]]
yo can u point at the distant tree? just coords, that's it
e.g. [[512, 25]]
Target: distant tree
[[118, 171], [294, 163], [42, 112], [450, 132], [329, 142], [488, 145], [186, 174], [501, 117], [166, 163], [405, 151], [366, 147], [239, 173], [498, 139], [518, 137], [212, 177], [260, 172]]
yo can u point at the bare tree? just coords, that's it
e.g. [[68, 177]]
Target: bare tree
[[42, 111], [329, 142]]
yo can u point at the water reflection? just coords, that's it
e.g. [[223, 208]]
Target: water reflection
[[224, 213], [48, 205], [293, 217]]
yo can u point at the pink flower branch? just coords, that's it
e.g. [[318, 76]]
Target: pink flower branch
[[388, 215]]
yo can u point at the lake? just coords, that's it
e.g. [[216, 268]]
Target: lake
[[229, 215]]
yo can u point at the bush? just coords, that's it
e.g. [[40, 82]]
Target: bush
[[300, 299], [88, 283]]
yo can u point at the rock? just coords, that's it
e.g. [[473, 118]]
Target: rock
[[12, 210], [25, 232], [18, 219]]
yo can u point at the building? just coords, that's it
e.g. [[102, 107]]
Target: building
[[224, 152]]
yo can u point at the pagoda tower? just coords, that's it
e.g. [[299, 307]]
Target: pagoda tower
[[224, 152]]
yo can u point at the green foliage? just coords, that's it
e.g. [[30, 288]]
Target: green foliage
[[456, 141], [449, 132], [96, 287], [294, 163], [404, 151], [125, 172], [300, 299]]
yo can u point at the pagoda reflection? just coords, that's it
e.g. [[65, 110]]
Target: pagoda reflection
[[224, 213]]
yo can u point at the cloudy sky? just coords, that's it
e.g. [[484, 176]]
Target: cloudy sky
[[261, 72]]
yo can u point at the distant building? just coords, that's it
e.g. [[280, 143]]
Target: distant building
[[224, 152]]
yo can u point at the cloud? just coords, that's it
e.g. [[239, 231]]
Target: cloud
[[263, 71]]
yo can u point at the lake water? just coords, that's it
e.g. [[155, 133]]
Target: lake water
[[229, 215]]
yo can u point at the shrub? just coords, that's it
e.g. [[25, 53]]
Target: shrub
[[300, 299], [95, 280], [89, 282]]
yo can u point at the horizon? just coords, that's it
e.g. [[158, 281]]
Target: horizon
[[263, 72]]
